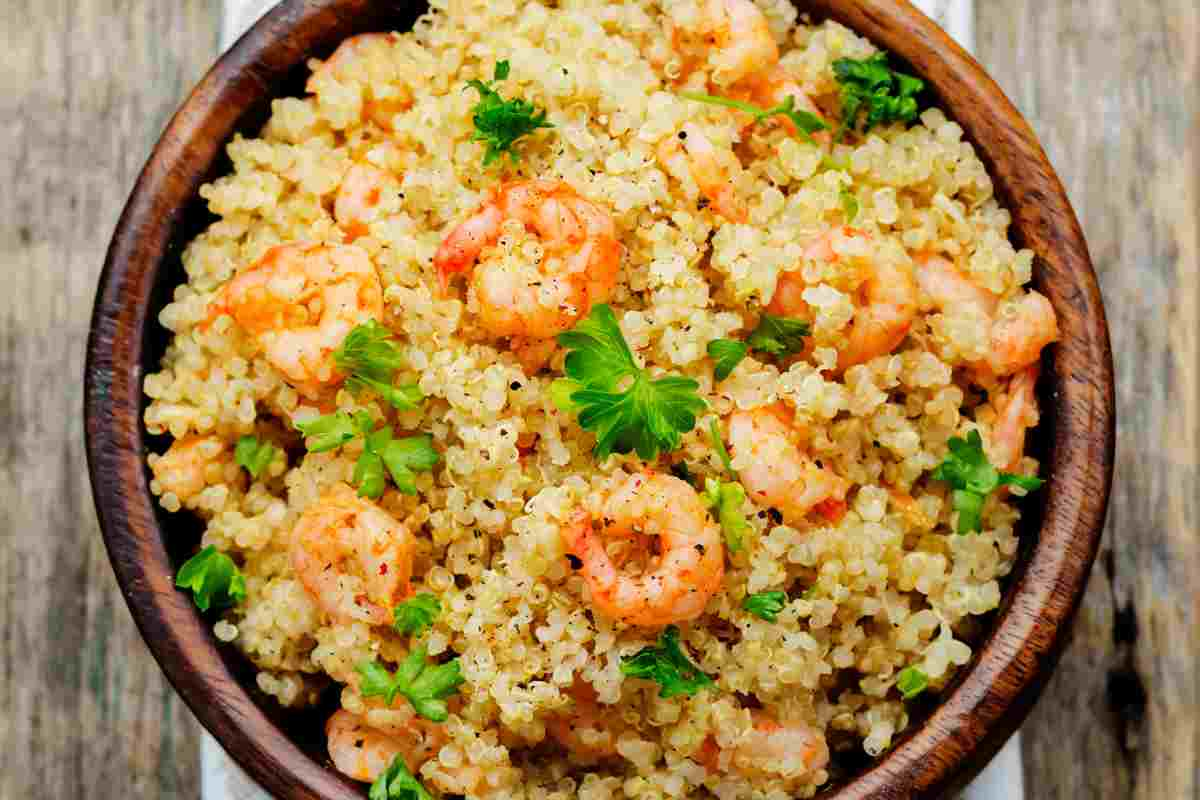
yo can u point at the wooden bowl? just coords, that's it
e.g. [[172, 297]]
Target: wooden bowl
[[957, 736]]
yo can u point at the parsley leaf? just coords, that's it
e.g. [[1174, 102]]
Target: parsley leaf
[[499, 123], [728, 353], [681, 470], [424, 684], [806, 122], [850, 204], [870, 88], [666, 665], [382, 454], [972, 478], [727, 499], [254, 455], [765, 605], [778, 336], [648, 416], [416, 614], [371, 359], [714, 433], [911, 682], [397, 783], [334, 430], [213, 579], [399, 457]]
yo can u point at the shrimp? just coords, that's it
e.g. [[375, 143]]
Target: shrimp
[[585, 729], [583, 258], [883, 319], [185, 468], [1017, 412], [1018, 330], [714, 170], [790, 750], [364, 60], [363, 752], [772, 88], [887, 311], [299, 301], [776, 470], [358, 199], [733, 35], [341, 534], [683, 576]]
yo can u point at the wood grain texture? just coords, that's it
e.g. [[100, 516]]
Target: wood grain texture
[[1110, 87], [976, 715], [84, 710]]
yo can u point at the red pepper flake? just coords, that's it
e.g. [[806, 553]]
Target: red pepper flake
[[383, 568], [831, 509]]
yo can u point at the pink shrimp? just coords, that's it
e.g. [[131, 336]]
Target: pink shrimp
[[1017, 412], [583, 258], [790, 750], [362, 63], [359, 199], [776, 471], [353, 557], [714, 170], [686, 573]]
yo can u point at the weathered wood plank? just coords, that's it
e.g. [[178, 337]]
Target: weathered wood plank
[[1110, 87], [84, 711]]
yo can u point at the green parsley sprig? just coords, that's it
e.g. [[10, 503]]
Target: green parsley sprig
[[806, 122], [765, 605], [416, 614], [499, 123], [213, 578], [382, 454], [666, 665], [397, 783], [911, 682], [875, 93], [726, 499], [778, 336], [850, 204], [613, 396], [714, 434], [972, 478], [425, 685], [371, 359], [254, 455], [727, 353]]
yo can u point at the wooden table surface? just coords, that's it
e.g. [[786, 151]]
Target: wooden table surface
[[1111, 86]]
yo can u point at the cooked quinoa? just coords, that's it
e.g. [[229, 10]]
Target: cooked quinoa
[[882, 585]]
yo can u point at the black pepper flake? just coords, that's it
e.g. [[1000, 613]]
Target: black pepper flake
[[489, 504], [514, 385], [575, 561], [776, 516]]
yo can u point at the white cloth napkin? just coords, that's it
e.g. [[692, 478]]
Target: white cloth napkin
[[221, 779]]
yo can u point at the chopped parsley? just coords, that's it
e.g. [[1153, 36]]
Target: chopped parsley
[[397, 783], [850, 204], [806, 122], [254, 455], [666, 665], [765, 605], [727, 353], [681, 470], [778, 336], [726, 499], [911, 682], [334, 430], [382, 454], [416, 614], [425, 685], [613, 396], [875, 93], [371, 359], [213, 578], [972, 478], [499, 123], [399, 457]]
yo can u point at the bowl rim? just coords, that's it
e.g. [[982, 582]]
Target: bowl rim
[[990, 697]]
